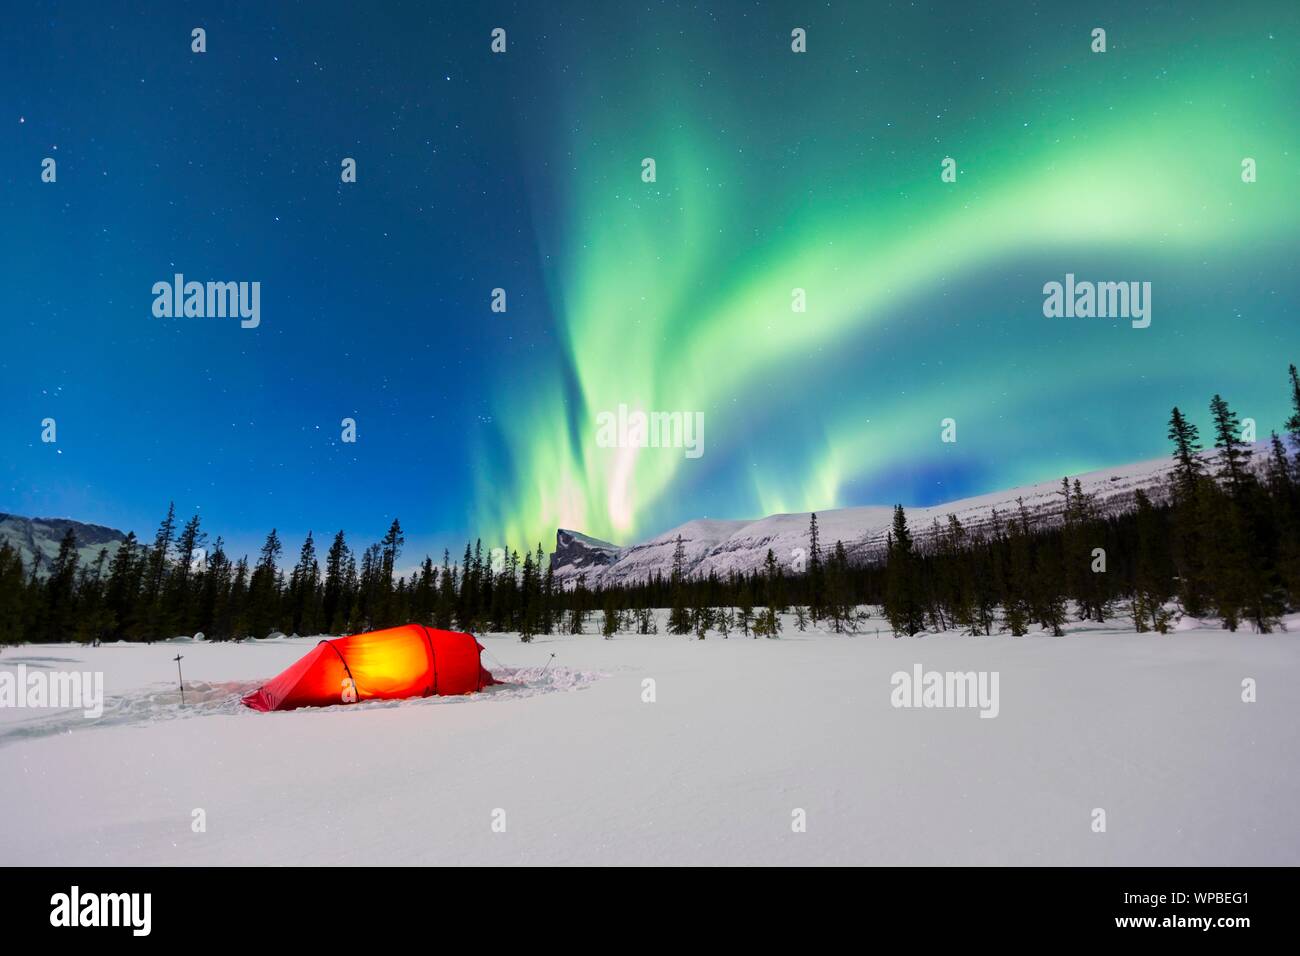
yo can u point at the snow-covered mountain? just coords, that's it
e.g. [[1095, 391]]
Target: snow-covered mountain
[[726, 546], [41, 536]]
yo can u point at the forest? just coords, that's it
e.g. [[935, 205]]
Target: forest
[[1220, 541]]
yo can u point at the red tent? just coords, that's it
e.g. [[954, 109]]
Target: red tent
[[408, 661]]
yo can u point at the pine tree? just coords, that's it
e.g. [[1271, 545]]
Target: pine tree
[[1284, 490], [744, 605], [14, 612], [390, 549], [90, 622], [548, 600], [1150, 587], [151, 616], [839, 602], [333, 607], [215, 602], [816, 571], [1234, 456], [1188, 533], [902, 597], [1048, 588], [1015, 601], [1246, 582], [528, 615], [186, 578], [702, 620], [679, 621], [239, 611], [578, 609], [610, 616], [123, 594], [58, 616], [956, 588], [1075, 567], [1227, 560], [1095, 593], [772, 590], [1293, 423], [303, 585], [1188, 467], [264, 589]]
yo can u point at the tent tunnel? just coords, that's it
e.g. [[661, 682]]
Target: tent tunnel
[[408, 661]]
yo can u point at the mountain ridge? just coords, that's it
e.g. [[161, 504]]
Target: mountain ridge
[[723, 546], [33, 537]]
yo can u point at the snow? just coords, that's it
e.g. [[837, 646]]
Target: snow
[[725, 546], [1150, 728]]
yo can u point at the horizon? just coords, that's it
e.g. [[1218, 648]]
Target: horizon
[[1209, 453]]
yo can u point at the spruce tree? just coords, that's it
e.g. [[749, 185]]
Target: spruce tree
[[1019, 568], [1150, 584], [239, 611], [816, 572], [902, 598], [679, 619], [124, 574], [333, 607], [186, 578], [58, 618], [215, 602], [1293, 423], [14, 613], [302, 589], [839, 602], [772, 590], [1284, 491], [264, 589], [152, 616], [1234, 456], [1189, 495], [548, 600], [390, 548], [1048, 587]]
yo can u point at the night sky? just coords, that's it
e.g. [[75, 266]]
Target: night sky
[[522, 170]]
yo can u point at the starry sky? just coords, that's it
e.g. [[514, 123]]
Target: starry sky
[[523, 171]]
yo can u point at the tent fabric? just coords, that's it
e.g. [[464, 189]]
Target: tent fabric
[[408, 661]]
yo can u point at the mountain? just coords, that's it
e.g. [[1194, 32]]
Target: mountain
[[581, 552], [41, 536], [725, 546]]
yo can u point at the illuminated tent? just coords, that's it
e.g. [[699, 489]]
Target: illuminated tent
[[407, 661]]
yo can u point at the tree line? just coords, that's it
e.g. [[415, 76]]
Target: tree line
[[178, 585], [1221, 540]]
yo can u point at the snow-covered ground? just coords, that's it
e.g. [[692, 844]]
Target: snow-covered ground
[[741, 734]]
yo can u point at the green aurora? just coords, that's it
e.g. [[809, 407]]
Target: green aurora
[[821, 171]]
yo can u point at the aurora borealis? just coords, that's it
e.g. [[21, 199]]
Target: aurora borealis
[[775, 171]]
